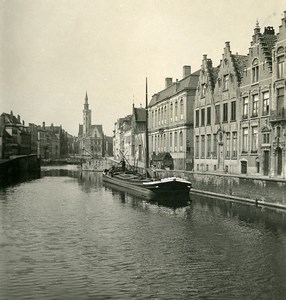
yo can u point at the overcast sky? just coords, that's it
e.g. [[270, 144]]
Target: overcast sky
[[53, 51]]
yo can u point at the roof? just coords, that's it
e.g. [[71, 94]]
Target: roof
[[94, 131], [189, 82], [10, 119], [140, 114], [240, 62]]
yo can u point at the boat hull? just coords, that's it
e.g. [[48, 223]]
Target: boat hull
[[169, 192]]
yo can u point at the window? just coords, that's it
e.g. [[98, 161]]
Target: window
[[280, 66], [225, 116], [181, 109], [214, 145], [254, 138], [164, 142], [203, 146], [245, 107], [197, 146], [197, 118], [176, 111], [181, 140], [255, 71], [176, 141], [244, 140], [255, 105], [152, 118], [233, 111], [155, 118], [171, 142], [159, 114], [204, 88], [225, 82], [203, 117], [208, 115], [209, 146], [280, 99], [234, 144], [228, 144], [266, 138], [165, 114], [171, 112], [265, 109], [217, 113]]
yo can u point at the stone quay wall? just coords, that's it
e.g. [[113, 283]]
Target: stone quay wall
[[17, 164], [257, 190]]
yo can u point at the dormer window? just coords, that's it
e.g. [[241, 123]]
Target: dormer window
[[255, 71], [204, 88], [225, 82], [280, 62]]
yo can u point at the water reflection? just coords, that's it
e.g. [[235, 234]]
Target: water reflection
[[66, 236]]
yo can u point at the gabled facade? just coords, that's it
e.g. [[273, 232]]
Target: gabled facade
[[170, 120], [216, 114], [90, 137], [205, 154], [256, 96], [278, 105], [15, 138]]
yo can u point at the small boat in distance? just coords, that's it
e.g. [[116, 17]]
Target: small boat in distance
[[147, 185]]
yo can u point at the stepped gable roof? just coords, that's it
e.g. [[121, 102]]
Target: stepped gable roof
[[190, 81], [213, 72], [240, 62], [140, 114]]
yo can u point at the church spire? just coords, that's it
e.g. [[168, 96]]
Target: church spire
[[86, 101]]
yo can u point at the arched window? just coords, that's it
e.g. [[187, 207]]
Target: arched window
[[176, 141], [255, 70], [176, 111], [181, 140], [181, 109]]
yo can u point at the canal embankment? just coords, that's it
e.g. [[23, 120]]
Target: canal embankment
[[242, 188], [14, 166]]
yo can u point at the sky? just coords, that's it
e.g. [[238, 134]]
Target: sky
[[54, 51]]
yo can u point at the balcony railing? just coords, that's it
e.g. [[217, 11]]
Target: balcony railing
[[278, 115]]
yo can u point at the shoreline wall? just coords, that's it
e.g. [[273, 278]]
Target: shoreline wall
[[259, 190]]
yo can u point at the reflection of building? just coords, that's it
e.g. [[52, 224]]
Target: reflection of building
[[170, 119], [90, 137]]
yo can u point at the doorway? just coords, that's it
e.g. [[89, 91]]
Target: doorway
[[279, 160], [244, 167], [266, 163]]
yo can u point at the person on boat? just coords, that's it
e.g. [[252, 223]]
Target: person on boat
[[123, 165]]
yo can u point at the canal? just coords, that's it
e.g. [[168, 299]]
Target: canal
[[64, 235]]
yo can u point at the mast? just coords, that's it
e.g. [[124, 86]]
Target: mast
[[146, 131]]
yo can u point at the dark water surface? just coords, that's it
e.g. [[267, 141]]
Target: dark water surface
[[66, 236]]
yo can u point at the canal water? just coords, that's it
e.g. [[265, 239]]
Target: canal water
[[64, 235]]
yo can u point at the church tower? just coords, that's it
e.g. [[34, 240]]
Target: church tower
[[86, 116]]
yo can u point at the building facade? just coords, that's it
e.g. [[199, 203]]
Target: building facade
[[90, 137], [170, 119], [256, 96], [278, 105]]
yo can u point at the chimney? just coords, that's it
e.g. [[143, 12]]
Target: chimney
[[168, 81], [44, 125], [186, 71], [19, 119], [23, 122], [205, 57], [269, 30]]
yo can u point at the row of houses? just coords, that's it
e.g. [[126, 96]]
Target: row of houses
[[47, 142], [228, 118]]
